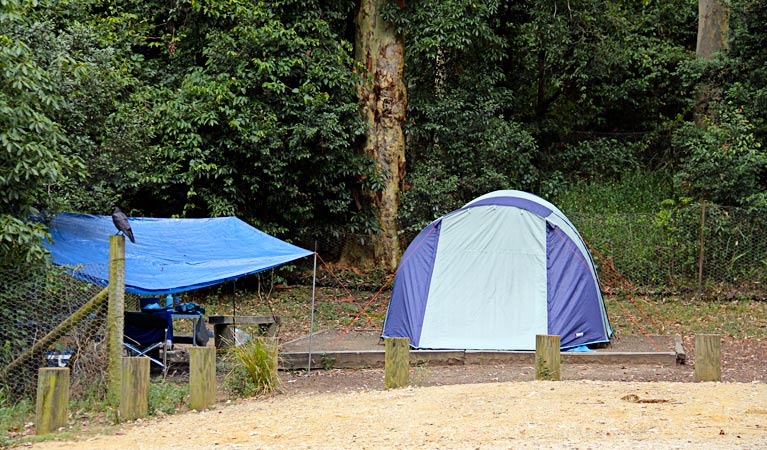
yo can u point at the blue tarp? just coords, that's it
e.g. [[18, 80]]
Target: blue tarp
[[170, 255]]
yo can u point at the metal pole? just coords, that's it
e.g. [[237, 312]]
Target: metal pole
[[702, 239], [234, 312], [311, 321]]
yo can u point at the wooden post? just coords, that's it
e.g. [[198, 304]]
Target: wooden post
[[397, 363], [202, 377], [708, 357], [52, 399], [134, 398], [547, 357], [115, 318]]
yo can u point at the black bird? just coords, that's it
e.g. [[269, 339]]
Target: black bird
[[121, 222]]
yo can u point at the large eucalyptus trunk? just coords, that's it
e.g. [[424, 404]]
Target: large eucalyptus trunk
[[380, 52], [713, 27]]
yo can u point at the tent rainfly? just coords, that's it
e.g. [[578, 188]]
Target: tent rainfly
[[170, 255], [494, 274]]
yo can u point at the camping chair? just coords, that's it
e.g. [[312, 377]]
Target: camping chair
[[149, 332]]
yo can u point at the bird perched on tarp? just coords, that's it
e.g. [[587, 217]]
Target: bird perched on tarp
[[121, 222]]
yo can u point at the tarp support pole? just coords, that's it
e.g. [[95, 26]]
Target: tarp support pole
[[311, 321]]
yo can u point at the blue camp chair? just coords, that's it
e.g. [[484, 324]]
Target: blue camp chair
[[149, 335]]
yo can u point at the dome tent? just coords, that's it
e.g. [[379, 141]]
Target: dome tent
[[495, 273]]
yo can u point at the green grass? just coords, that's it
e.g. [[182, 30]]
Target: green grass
[[723, 313], [166, 397], [739, 318], [88, 411], [635, 192], [14, 415]]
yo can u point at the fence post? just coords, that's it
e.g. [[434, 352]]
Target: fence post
[[134, 398], [547, 357], [701, 252], [115, 319], [397, 363], [708, 357], [52, 401], [202, 377]]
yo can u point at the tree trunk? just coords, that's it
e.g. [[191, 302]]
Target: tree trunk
[[713, 27], [383, 101]]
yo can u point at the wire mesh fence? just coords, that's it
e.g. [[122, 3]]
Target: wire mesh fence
[[49, 318], [700, 248]]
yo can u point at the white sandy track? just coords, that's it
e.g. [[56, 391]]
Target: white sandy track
[[568, 414]]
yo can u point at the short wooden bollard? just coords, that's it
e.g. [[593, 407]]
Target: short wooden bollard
[[52, 406], [708, 356], [134, 395], [397, 363], [202, 377], [547, 357]]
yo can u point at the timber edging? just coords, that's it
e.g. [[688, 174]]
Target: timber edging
[[375, 358]]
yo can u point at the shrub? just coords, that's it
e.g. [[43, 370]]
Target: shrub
[[254, 368], [722, 161]]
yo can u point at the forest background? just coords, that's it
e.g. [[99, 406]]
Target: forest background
[[371, 118]]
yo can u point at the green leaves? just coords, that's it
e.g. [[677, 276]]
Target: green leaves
[[722, 161], [261, 123], [32, 158]]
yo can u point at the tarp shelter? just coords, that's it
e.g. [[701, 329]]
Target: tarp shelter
[[495, 273], [170, 255]]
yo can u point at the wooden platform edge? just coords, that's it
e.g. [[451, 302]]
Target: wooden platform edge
[[375, 358], [243, 320]]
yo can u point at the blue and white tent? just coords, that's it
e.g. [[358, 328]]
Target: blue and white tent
[[494, 274]]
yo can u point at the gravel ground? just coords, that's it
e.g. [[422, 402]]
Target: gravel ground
[[567, 414], [477, 407]]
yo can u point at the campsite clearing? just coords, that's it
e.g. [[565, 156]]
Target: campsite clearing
[[567, 414], [476, 406]]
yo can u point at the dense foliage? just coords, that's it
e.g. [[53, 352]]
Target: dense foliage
[[34, 150], [239, 108], [249, 108], [536, 95], [746, 79]]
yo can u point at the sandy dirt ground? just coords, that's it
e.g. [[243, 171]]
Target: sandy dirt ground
[[573, 414]]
